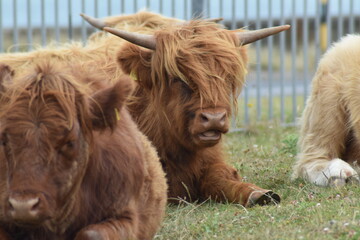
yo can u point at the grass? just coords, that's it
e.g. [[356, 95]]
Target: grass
[[264, 155]]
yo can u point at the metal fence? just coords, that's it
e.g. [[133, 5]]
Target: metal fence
[[281, 67]]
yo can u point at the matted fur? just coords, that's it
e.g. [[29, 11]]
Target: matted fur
[[197, 69], [192, 51], [111, 185], [330, 133], [204, 56]]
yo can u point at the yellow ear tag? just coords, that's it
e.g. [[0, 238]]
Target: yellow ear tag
[[117, 114], [133, 75]]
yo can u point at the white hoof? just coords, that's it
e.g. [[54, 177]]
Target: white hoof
[[333, 173]]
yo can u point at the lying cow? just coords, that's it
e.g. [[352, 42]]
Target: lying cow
[[188, 76], [73, 165], [330, 135]]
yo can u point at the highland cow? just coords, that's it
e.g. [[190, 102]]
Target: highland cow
[[329, 143], [188, 75], [73, 164]]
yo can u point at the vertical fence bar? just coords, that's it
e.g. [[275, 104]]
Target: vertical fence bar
[[197, 8], [270, 66], [317, 32], [109, 9], [208, 9], [221, 6], [56, 15], [70, 26], [83, 26], [1, 29], [186, 9], [305, 52], [282, 65], [122, 3], [135, 5], [246, 89], [29, 26], [340, 20], [233, 15], [293, 60], [324, 24], [329, 25], [161, 6], [172, 8], [15, 28], [43, 27], [351, 17], [258, 64], [96, 8]]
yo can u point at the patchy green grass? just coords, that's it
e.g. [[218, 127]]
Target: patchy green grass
[[264, 155]]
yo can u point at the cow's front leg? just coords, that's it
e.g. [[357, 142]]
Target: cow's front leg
[[222, 183], [122, 228]]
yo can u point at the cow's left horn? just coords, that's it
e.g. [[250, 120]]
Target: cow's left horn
[[93, 21], [143, 40], [252, 36]]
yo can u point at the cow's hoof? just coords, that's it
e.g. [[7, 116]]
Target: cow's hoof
[[340, 182], [263, 198]]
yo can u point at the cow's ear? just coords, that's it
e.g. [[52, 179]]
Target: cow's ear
[[6, 75], [107, 103], [136, 62]]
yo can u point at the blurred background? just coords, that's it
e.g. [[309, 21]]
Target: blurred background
[[281, 67]]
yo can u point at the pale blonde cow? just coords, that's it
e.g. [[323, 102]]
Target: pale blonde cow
[[329, 144]]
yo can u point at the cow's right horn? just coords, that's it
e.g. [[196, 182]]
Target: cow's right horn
[[143, 40], [252, 36]]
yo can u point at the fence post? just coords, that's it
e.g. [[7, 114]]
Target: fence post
[[197, 8], [323, 25]]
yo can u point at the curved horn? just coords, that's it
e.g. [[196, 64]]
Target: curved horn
[[93, 21], [215, 20], [252, 36], [143, 40]]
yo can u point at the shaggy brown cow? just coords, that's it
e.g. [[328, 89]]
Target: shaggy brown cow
[[329, 141], [73, 165], [186, 79]]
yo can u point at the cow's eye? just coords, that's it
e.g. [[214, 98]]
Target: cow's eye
[[3, 139], [177, 79], [185, 89], [69, 144], [67, 147]]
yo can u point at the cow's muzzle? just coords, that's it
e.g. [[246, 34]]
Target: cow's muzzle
[[28, 209], [210, 125]]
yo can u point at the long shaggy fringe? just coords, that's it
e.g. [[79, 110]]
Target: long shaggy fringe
[[204, 56]]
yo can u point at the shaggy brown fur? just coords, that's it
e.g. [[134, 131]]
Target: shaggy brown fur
[[73, 164], [183, 102], [330, 135]]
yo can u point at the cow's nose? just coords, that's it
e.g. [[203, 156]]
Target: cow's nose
[[213, 120], [24, 208]]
